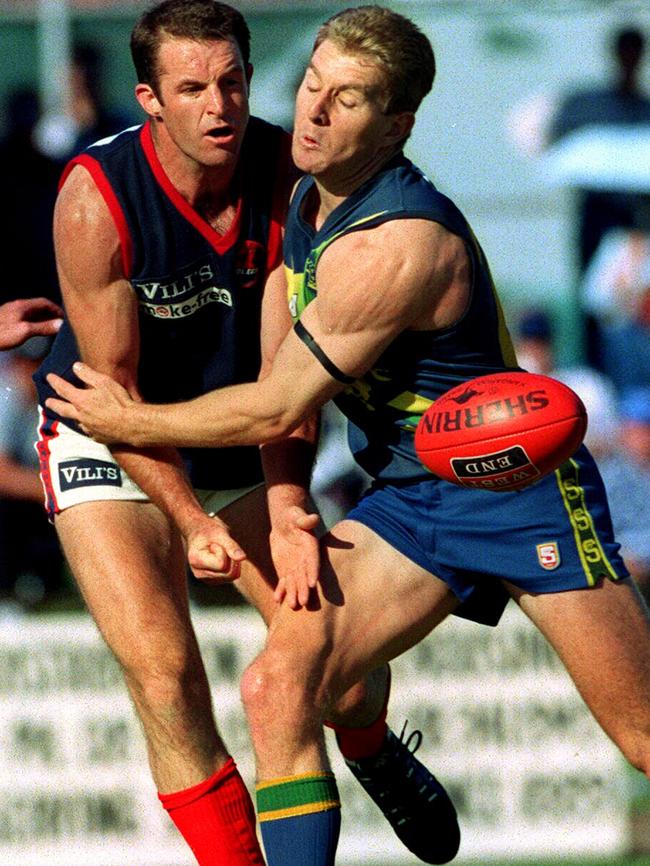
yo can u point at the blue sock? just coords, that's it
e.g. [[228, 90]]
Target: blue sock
[[300, 819]]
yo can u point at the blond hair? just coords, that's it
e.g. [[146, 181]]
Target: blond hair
[[394, 43]]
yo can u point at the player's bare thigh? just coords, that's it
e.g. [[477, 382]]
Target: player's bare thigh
[[249, 524], [130, 567], [602, 634], [374, 604]]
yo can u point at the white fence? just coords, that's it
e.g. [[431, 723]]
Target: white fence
[[529, 770]]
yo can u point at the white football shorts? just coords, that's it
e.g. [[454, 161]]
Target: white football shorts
[[76, 469]]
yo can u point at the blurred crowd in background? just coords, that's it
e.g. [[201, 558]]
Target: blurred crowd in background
[[612, 250], [33, 152]]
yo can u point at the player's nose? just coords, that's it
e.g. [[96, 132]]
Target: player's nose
[[317, 109], [215, 100]]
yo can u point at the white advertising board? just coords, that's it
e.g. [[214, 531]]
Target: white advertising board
[[529, 770]]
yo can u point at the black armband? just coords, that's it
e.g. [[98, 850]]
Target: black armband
[[318, 353]]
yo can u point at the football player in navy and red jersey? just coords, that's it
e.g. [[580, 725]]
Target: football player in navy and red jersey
[[168, 245], [165, 237], [393, 304]]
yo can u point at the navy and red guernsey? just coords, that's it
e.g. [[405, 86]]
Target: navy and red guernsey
[[199, 292]]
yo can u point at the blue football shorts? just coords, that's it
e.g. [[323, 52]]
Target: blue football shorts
[[555, 535]]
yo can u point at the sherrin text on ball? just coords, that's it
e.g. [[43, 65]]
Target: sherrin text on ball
[[501, 432]]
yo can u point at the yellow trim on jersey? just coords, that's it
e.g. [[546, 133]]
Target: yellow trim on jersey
[[407, 401], [362, 221], [294, 281], [505, 340]]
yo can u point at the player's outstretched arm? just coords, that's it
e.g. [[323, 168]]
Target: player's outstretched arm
[[399, 275], [28, 317]]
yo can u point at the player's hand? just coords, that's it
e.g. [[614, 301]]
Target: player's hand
[[213, 554], [102, 408], [28, 317], [295, 552]]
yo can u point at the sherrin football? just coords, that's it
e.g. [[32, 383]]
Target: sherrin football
[[501, 432]]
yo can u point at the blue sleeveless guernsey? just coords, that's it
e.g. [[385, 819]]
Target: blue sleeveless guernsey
[[199, 292], [384, 406], [554, 535]]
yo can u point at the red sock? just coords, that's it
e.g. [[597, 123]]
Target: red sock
[[217, 819], [358, 743]]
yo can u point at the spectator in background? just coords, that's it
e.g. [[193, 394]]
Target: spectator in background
[[599, 208], [635, 426], [87, 117], [625, 467], [87, 103], [616, 293], [28, 184], [31, 563], [535, 349], [337, 481], [32, 153], [621, 102]]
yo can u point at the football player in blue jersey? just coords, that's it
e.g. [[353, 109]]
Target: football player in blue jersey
[[28, 317], [168, 243], [393, 303]]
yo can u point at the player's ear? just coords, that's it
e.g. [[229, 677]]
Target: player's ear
[[400, 126], [147, 98], [249, 75]]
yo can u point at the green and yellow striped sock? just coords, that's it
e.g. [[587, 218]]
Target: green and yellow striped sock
[[300, 819]]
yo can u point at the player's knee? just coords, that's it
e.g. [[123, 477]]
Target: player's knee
[[275, 687], [266, 678], [252, 688]]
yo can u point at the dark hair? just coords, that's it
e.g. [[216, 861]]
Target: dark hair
[[394, 43], [201, 20], [535, 325], [628, 39]]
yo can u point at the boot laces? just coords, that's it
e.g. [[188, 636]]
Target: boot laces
[[414, 739]]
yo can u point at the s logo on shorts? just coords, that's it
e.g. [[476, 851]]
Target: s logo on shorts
[[548, 555], [88, 473]]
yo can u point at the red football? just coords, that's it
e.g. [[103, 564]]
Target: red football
[[501, 432]]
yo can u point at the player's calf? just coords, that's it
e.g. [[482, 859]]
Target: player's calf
[[297, 798]]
